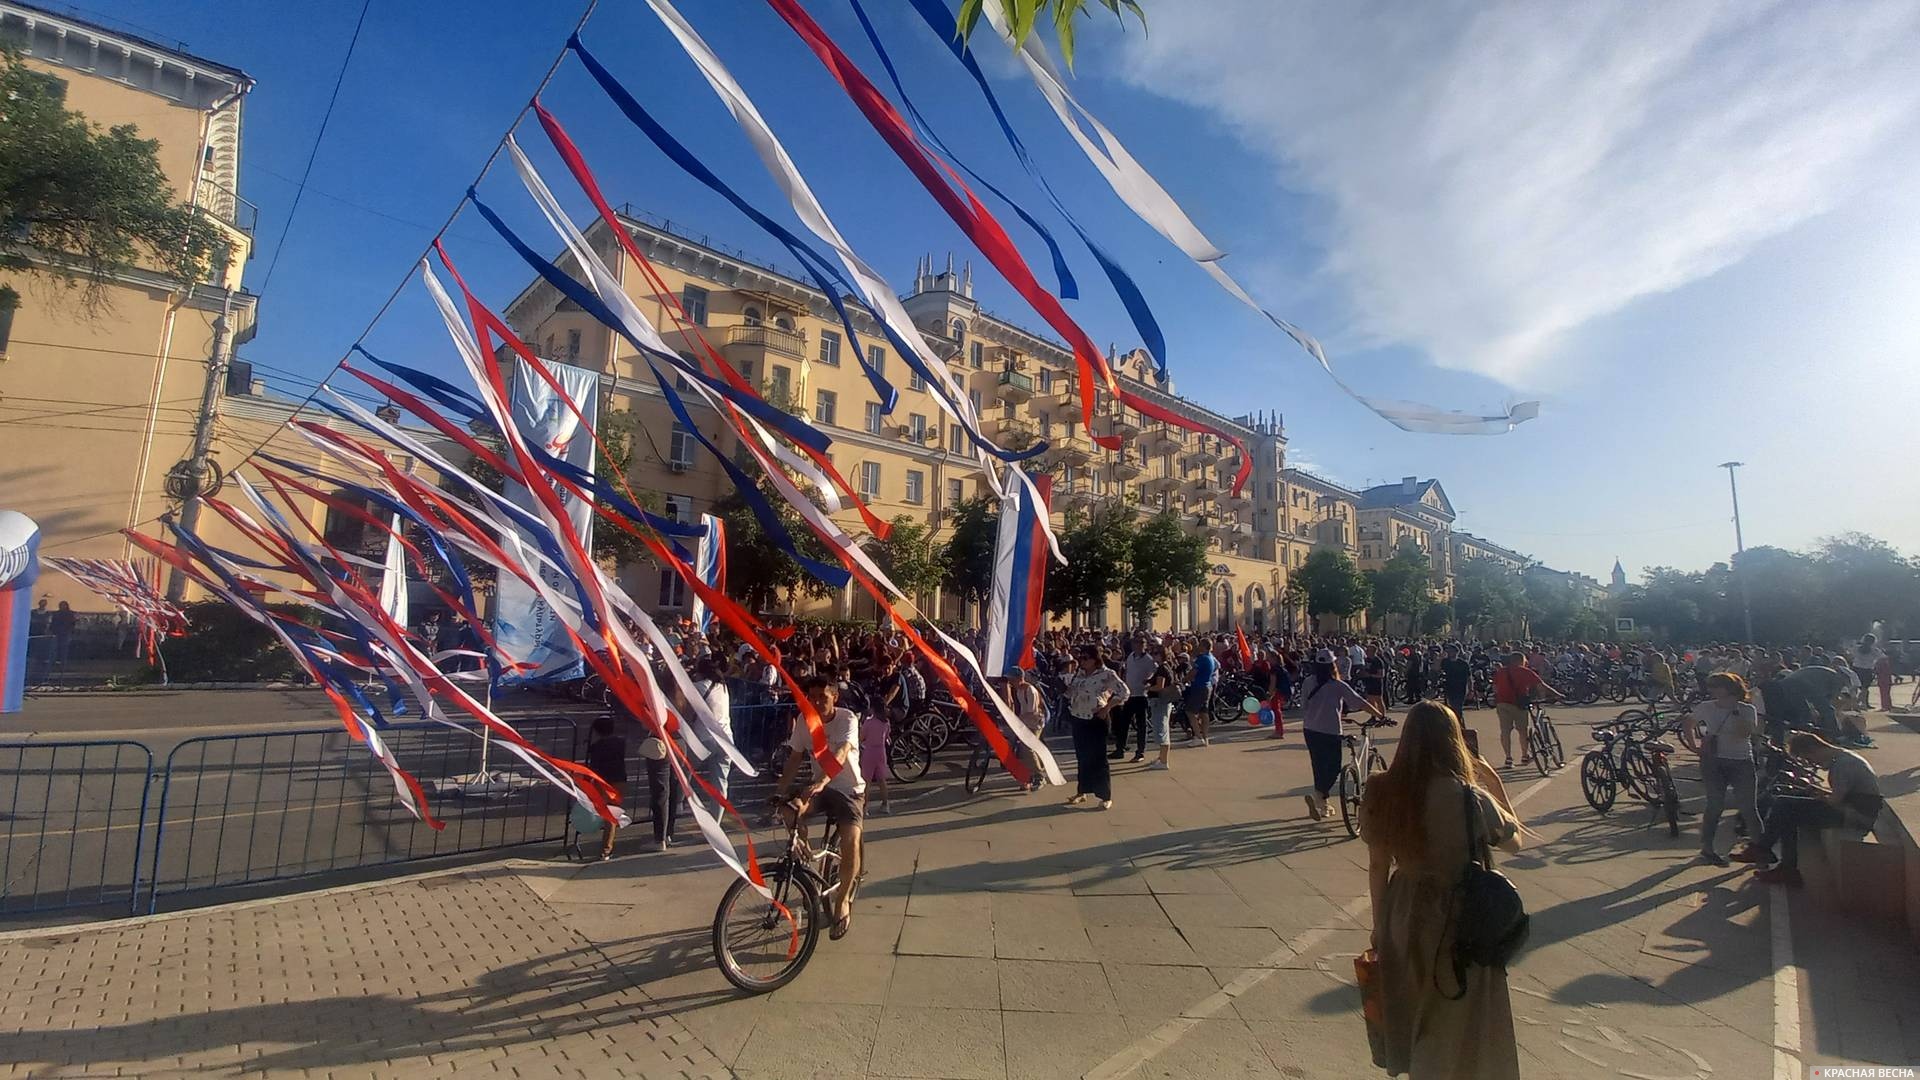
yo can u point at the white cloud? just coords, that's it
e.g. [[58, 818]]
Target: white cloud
[[1497, 175]]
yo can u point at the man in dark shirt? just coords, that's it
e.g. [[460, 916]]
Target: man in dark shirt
[[607, 757], [60, 625], [1456, 677]]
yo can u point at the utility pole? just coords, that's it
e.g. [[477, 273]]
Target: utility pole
[[187, 480], [1740, 547]]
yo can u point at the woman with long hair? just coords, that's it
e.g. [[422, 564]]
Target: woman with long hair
[[1416, 822], [1726, 758]]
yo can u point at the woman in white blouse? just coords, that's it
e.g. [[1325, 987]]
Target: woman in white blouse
[[1726, 757]]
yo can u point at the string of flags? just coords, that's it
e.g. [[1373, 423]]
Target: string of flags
[[559, 612]]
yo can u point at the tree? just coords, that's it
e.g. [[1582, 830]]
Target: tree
[[81, 204], [909, 557], [1098, 550], [758, 573], [1166, 558], [1022, 15], [1330, 585], [1436, 618], [1486, 595], [968, 563], [1400, 587], [611, 543]]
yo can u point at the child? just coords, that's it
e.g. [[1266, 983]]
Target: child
[[607, 757]]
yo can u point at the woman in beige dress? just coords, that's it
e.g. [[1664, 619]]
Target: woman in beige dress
[[1416, 828]]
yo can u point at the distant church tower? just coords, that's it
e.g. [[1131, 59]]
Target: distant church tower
[[1619, 586]]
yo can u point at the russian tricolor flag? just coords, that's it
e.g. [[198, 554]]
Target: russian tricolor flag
[[710, 562], [1019, 575]]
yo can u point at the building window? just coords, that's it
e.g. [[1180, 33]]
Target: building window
[[1006, 408], [975, 398], [825, 405], [877, 360], [746, 370], [869, 479], [673, 590], [573, 346], [783, 321], [873, 418], [915, 382], [751, 315], [917, 427], [680, 446], [693, 298], [978, 355], [956, 492], [830, 348], [958, 331], [548, 351], [1046, 380], [916, 487], [781, 388]]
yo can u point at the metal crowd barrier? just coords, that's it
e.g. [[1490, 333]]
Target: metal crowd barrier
[[245, 809], [75, 825]]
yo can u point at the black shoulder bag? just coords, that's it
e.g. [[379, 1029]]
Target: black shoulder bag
[[1490, 919]]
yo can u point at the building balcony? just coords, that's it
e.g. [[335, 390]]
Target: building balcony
[[1202, 489], [1075, 449], [1074, 496], [1203, 453], [1015, 386], [1125, 466], [762, 337], [1161, 440], [1124, 423], [1161, 485], [1011, 432], [1231, 528], [1061, 401]]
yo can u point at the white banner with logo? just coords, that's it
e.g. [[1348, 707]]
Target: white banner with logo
[[524, 625]]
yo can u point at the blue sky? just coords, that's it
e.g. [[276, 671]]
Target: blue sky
[[1690, 230]]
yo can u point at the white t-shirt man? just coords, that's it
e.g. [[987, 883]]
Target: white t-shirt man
[[1356, 657], [843, 729]]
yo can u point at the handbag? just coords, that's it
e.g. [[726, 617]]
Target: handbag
[[1373, 1003], [1491, 923], [653, 749]]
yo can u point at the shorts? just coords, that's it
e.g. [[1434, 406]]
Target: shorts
[[1512, 718], [840, 808], [1197, 698]]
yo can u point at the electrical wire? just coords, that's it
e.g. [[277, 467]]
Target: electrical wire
[[486, 167], [319, 136]]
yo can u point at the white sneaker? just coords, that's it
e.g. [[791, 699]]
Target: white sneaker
[[1312, 810], [1106, 804], [1156, 765]]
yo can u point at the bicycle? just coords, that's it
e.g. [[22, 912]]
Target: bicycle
[[786, 928], [982, 760], [1544, 740], [1353, 780], [1641, 766]]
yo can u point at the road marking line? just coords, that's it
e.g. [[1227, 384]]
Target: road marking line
[[1786, 988], [1160, 1039]]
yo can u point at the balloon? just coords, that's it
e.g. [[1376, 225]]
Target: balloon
[[1266, 717], [1250, 705]]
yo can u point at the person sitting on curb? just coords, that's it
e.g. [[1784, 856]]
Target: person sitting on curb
[[1851, 804]]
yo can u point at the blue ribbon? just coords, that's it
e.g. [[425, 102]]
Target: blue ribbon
[[824, 273], [941, 21], [448, 396]]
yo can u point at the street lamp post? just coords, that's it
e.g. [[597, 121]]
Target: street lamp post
[[1740, 547]]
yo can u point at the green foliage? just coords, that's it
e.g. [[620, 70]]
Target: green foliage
[[1486, 595], [95, 201], [969, 554], [1549, 605], [1166, 558], [1436, 618], [909, 557], [224, 645], [1023, 15], [758, 573], [1834, 593], [1098, 550], [611, 543], [1400, 587], [1328, 584]]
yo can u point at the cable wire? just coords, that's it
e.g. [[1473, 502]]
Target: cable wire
[[319, 136]]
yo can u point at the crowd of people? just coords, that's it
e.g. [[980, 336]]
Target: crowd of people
[[1119, 691]]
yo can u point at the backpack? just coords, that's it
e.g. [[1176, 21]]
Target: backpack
[[1491, 923]]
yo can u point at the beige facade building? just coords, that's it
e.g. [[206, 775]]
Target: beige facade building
[[97, 406]]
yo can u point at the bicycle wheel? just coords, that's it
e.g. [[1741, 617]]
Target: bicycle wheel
[[908, 757], [1550, 742], [1637, 775], [1375, 763], [1692, 732], [1669, 797], [1537, 743], [757, 948], [1227, 698], [1349, 792], [1596, 780], [977, 765]]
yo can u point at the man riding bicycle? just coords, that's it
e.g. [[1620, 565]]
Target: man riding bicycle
[[841, 797]]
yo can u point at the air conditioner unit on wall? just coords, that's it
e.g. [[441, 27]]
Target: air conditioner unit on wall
[[679, 466]]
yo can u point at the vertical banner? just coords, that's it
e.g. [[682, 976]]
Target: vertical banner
[[393, 583], [1019, 575], [525, 628], [19, 567], [710, 562]]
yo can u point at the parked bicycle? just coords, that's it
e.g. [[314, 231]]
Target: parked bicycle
[[1363, 763], [1632, 756], [763, 943], [1544, 739]]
